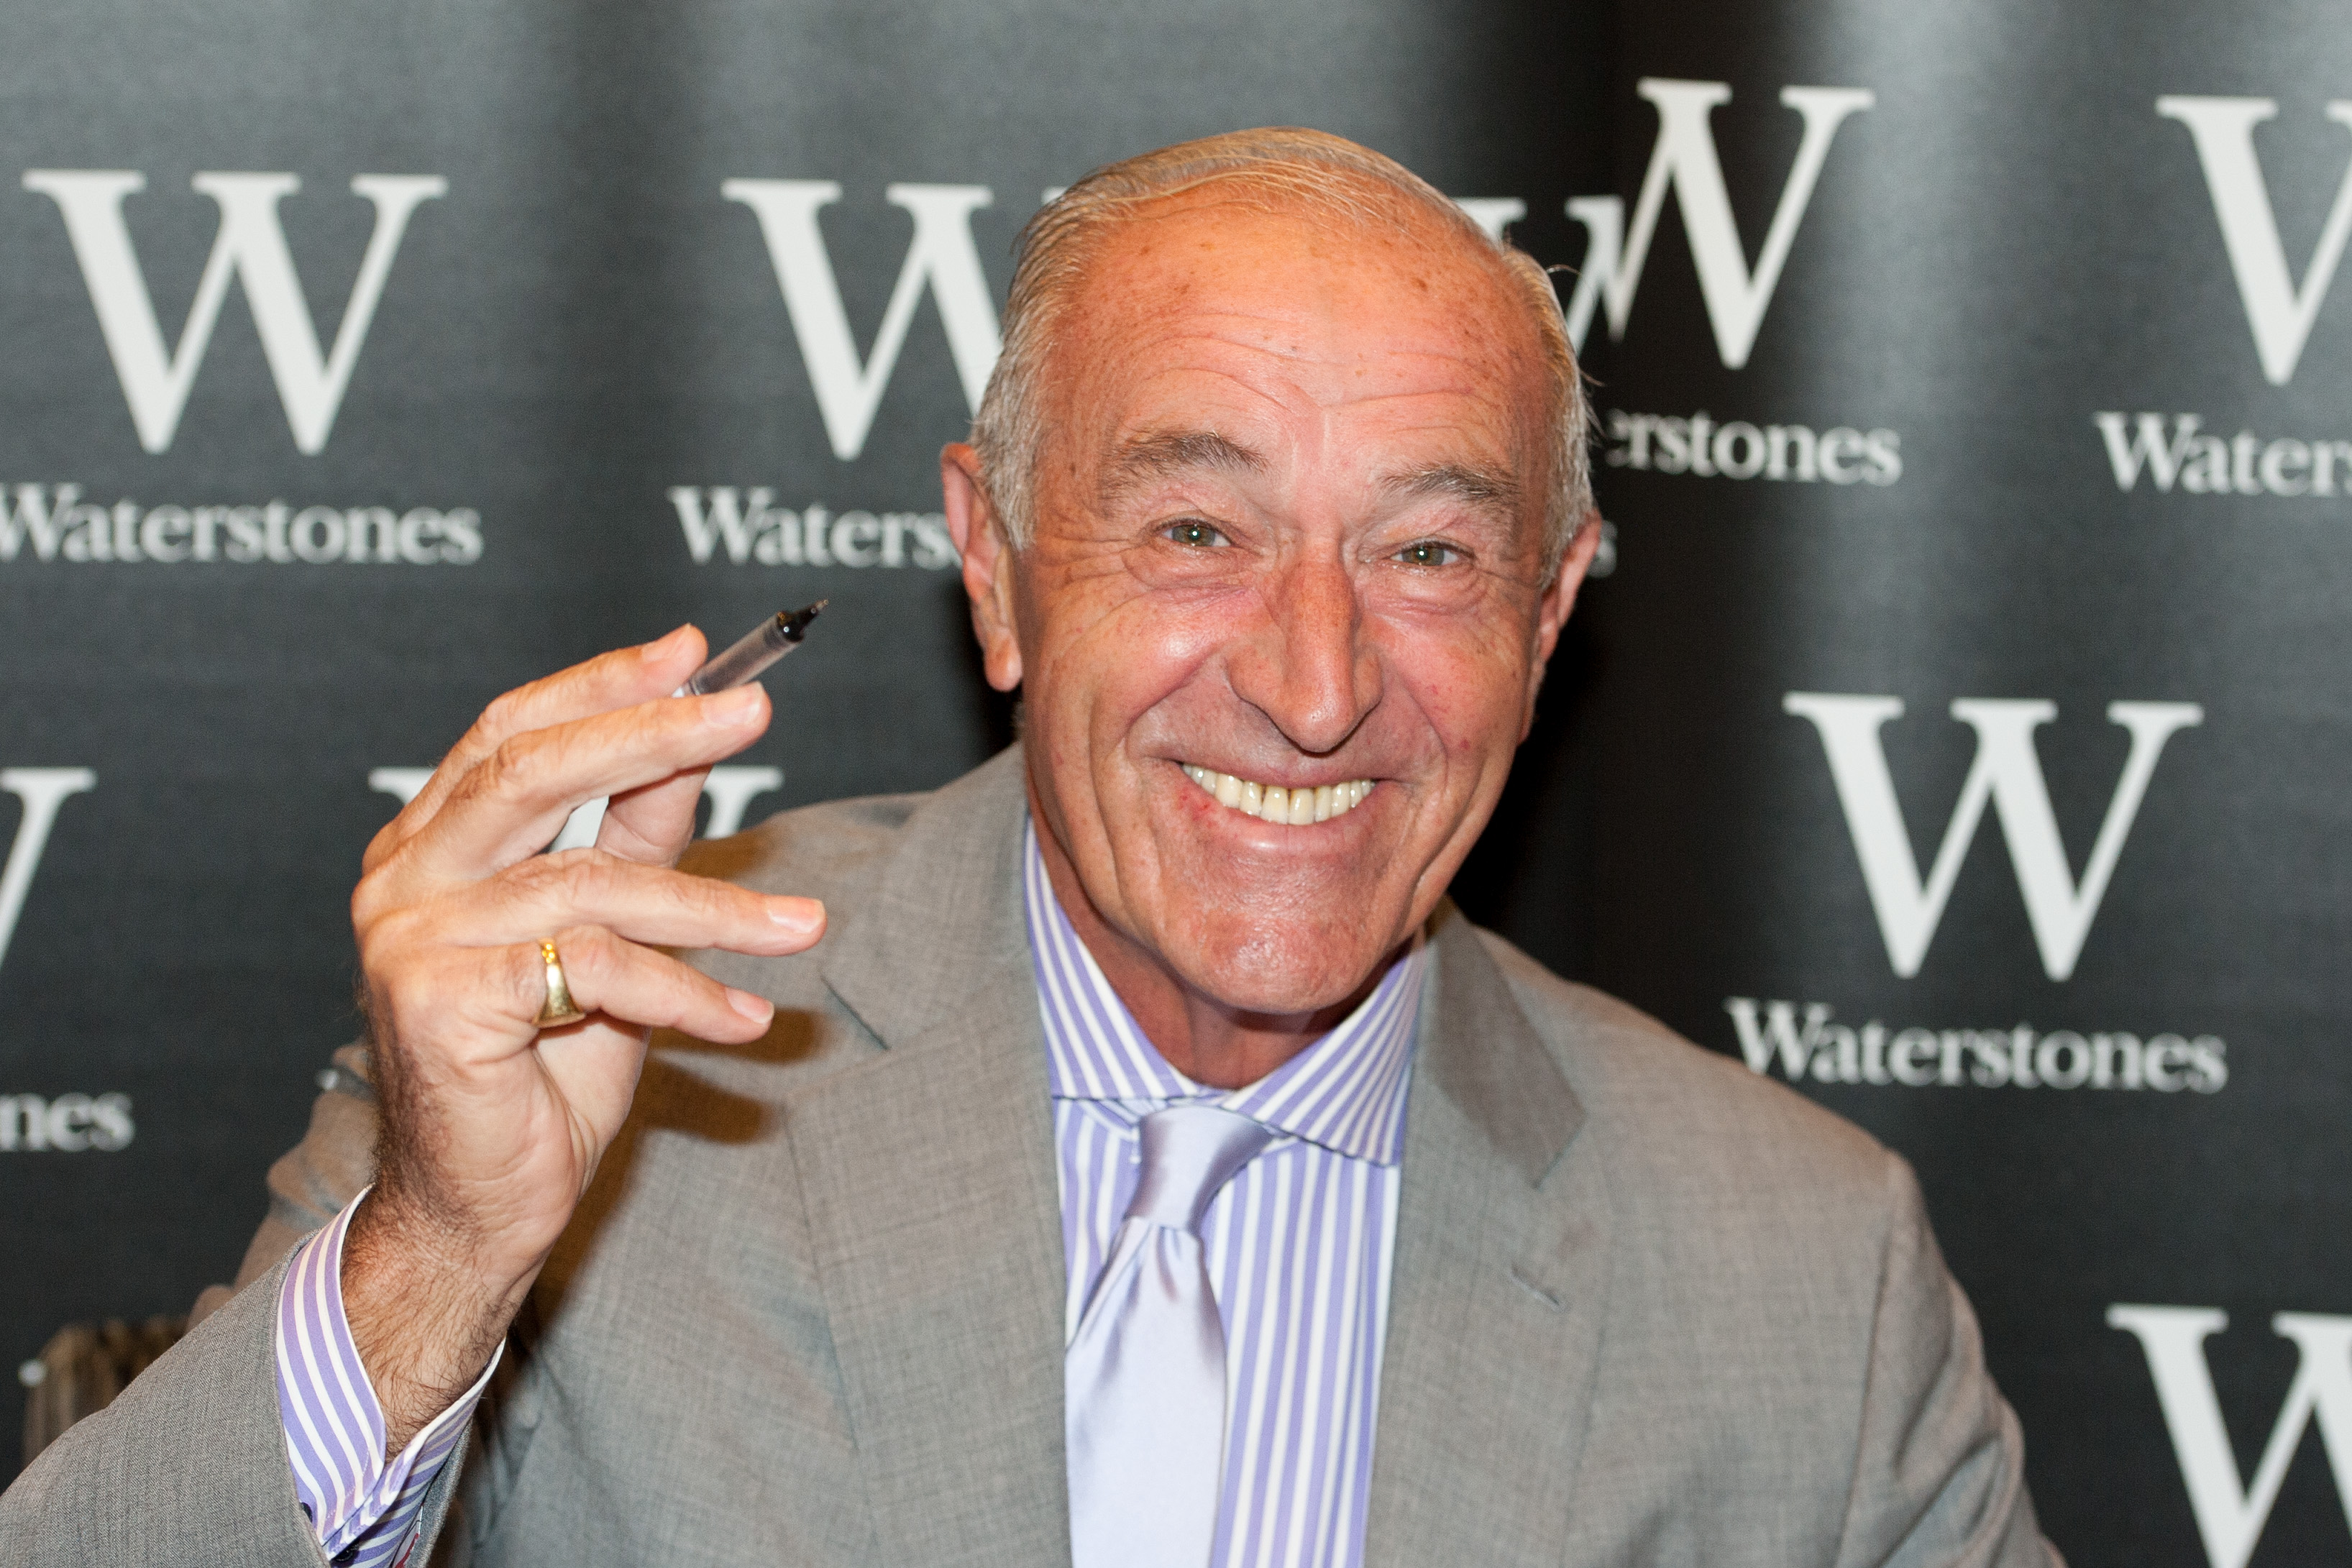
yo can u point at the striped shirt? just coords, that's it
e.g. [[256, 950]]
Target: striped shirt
[[364, 1510], [1299, 1245]]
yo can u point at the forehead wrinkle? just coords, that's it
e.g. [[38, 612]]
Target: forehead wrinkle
[[1312, 337]]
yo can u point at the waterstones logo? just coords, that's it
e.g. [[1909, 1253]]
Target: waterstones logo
[[745, 527], [1807, 1046], [2188, 456], [41, 793], [1671, 444], [2231, 1507], [2281, 310], [1684, 158], [942, 261], [249, 245], [2006, 777], [67, 1125], [52, 522]]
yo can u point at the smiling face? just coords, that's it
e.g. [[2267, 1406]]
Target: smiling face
[[1288, 536]]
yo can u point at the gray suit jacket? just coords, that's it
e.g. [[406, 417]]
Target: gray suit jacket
[[1647, 1308]]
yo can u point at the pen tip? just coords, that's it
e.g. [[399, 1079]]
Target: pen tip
[[796, 624]]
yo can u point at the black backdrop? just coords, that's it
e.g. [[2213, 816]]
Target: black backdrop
[[1968, 355]]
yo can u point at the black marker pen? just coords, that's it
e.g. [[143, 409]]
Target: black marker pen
[[768, 642]]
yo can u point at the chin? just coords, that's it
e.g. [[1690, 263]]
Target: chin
[[1257, 971]]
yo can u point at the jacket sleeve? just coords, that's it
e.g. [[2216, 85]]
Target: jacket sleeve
[[317, 1179], [187, 1466], [190, 1465], [1940, 1471]]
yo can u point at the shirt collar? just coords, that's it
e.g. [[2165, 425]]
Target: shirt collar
[[1346, 1091]]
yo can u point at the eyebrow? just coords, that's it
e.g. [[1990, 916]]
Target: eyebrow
[[1488, 489], [1158, 453]]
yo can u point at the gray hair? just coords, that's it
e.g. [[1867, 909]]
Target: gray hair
[[1280, 166]]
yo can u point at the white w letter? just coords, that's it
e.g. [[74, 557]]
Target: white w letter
[[941, 256], [2230, 1514], [1684, 158], [251, 245], [2007, 773], [2279, 311], [43, 790]]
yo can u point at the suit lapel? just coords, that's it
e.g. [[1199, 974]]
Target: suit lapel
[[1498, 1289], [930, 1182]]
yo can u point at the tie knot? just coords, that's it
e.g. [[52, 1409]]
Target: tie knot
[[1190, 1151]]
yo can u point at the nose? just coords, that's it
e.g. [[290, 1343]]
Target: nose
[[1308, 668]]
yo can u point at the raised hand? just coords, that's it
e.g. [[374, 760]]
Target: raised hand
[[492, 1126]]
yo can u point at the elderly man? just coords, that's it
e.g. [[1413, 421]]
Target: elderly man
[[1147, 1166]]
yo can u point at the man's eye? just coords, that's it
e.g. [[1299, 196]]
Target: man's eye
[[1193, 532], [1429, 553]]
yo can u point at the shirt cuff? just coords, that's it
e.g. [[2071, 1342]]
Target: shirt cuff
[[364, 1509]]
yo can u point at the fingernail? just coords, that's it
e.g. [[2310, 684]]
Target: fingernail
[[796, 914], [756, 1008], [662, 647]]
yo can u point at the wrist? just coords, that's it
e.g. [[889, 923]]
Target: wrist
[[427, 1310], [404, 1235]]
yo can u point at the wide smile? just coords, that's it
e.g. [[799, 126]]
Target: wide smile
[[1273, 803]]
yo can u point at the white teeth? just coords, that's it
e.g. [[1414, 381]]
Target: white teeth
[[1274, 803]]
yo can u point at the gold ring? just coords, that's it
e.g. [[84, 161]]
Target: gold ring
[[558, 1008]]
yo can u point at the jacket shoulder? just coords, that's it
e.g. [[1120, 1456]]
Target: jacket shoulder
[[1690, 1117]]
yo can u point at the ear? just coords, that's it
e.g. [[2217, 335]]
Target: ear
[[1558, 599], [988, 563]]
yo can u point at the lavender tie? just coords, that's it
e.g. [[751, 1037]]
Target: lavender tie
[[1144, 1377]]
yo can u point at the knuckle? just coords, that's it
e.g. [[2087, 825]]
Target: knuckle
[[390, 945], [376, 916], [572, 878], [586, 875], [509, 771], [503, 717], [590, 952], [536, 880], [377, 950], [527, 976], [403, 998], [381, 847]]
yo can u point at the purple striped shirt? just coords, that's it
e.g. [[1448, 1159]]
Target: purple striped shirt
[[364, 1509], [1298, 1244]]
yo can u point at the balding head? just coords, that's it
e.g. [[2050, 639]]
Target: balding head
[[1275, 169]]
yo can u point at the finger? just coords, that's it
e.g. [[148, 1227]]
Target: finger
[[641, 904], [513, 801], [631, 984], [654, 823], [619, 679]]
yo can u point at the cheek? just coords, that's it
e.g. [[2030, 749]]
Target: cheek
[[1158, 646], [1130, 676], [1470, 695]]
